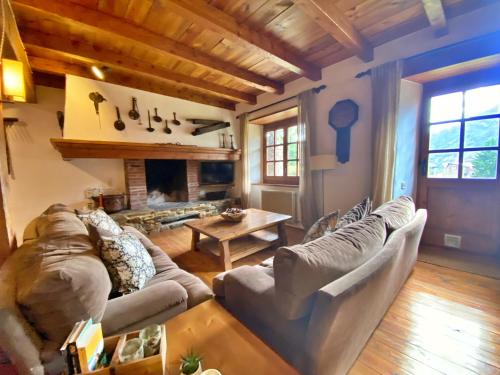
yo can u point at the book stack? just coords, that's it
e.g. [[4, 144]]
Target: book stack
[[83, 347]]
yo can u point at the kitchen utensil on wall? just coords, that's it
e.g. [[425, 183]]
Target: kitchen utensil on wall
[[157, 118], [167, 129], [134, 112], [119, 124], [175, 121], [149, 128], [60, 121], [97, 98]]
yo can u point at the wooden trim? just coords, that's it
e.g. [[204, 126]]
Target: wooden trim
[[88, 53], [103, 22], [73, 148], [435, 14], [327, 15], [14, 39], [259, 41], [61, 68], [277, 116]]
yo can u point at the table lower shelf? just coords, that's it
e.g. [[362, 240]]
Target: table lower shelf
[[243, 246]]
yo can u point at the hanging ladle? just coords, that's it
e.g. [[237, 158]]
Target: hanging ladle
[[175, 121], [167, 129], [134, 112], [156, 118], [149, 128], [119, 124]]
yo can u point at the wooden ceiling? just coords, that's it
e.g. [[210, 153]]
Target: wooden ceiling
[[217, 52]]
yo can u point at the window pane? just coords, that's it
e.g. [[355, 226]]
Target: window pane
[[443, 165], [270, 138], [292, 151], [446, 107], [444, 136], [270, 169], [280, 135], [278, 153], [270, 153], [482, 101], [481, 133], [279, 168], [480, 164], [291, 168], [292, 134]]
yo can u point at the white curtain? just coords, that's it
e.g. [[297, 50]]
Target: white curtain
[[245, 160], [386, 81], [308, 198]]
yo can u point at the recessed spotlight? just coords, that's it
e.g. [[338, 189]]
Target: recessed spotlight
[[97, 72]]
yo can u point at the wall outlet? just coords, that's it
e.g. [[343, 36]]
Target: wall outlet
[[451, 240]]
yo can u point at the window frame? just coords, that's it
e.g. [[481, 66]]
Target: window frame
[[462, 121], [279, 180]]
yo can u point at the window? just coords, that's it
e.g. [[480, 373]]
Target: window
[[464, 134], [281, 153]]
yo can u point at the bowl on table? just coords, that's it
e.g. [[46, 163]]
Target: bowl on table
[[234, 215]]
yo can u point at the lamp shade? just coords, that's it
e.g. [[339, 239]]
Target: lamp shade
[[323, 162], [13, 80]]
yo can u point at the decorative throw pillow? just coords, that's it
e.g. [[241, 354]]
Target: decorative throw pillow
[[397, 213], [358, 212], [128, 262], [100, 219], [322, 226]]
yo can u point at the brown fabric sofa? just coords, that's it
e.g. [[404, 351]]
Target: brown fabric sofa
[[45, 290], [329, 330]]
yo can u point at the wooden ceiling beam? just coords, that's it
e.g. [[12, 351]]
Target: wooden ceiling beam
[[264, 43], [45, 65], [163, 45], [14, 39], [89, 53], [435, 14], [331, 19]]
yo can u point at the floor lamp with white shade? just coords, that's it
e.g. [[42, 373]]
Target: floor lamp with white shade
[[323, 163]]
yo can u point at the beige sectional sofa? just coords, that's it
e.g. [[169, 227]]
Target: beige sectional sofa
[[317, 304], [57, 278]]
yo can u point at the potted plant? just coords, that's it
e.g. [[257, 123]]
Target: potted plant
[[191, 364]]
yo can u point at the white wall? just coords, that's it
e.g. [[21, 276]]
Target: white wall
[[42, 177], [347, 184], [83, 123]]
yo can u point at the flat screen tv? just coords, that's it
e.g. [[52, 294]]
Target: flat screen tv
[[212, 172]]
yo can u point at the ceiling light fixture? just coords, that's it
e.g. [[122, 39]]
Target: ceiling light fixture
[[97, 72]]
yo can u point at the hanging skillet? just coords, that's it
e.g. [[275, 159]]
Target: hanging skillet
[[175, 121], [149, 128], [167, 129], [119, 124], [156, 118], [134, 112]]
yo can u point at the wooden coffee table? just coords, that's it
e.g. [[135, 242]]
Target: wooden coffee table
[[223, 343], [232, 241]]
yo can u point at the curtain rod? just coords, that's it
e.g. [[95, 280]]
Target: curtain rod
[[316, 90]]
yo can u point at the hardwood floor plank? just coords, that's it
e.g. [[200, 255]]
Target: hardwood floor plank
[[443, 321]]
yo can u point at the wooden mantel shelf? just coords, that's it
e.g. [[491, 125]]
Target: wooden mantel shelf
[[75, 149]]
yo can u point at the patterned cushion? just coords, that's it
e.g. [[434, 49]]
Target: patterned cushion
[[356, 213], [100, 219], [128, 262], [321, 227], [397, 213]]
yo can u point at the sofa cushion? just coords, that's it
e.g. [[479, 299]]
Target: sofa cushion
[[55, 290], [301, 270], [128, 262], [100, 219], [358, 212], [322, 226], [397, 213]]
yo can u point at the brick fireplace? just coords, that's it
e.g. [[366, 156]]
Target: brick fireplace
[[137, 190]]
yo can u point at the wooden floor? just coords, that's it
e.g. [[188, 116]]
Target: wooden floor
[[443, 321]]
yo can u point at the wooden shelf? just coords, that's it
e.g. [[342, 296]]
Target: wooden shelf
[[242, 246], [75, 149]]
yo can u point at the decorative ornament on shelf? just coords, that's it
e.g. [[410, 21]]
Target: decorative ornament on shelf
[[341, 117], [232, 142]]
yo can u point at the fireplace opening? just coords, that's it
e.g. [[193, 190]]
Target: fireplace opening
[[166, 181]]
